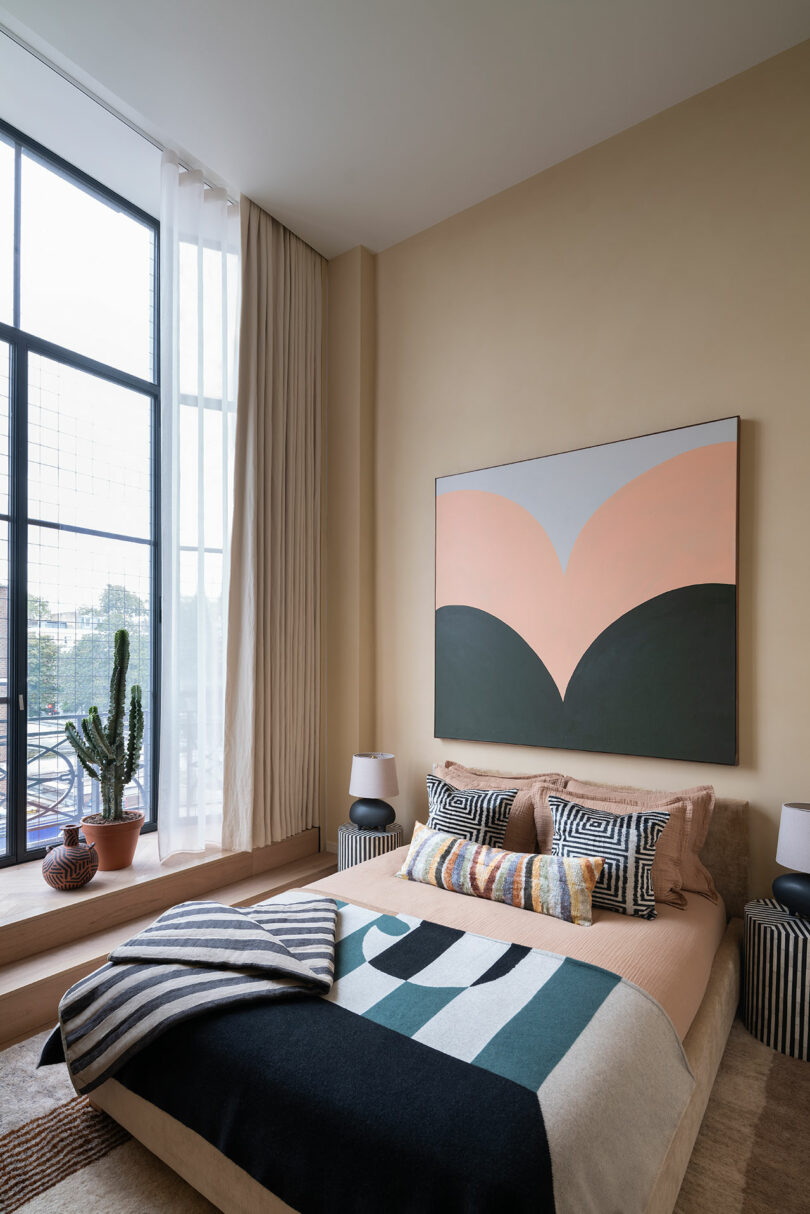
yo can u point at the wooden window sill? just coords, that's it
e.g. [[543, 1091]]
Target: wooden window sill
[[34, 917], [31, 986]]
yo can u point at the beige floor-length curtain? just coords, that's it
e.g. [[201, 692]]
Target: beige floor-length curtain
[[272, 694]]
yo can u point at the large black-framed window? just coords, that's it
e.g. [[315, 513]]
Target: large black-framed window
[[79, 481]]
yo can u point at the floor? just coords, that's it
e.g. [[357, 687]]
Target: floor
[[127, 1179], [752, 1154]]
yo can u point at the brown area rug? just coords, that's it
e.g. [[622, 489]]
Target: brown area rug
[[42, 1152], [751, 1156], [59, 1156]]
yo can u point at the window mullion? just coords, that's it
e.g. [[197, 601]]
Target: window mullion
[[18, 655], [17, 233]]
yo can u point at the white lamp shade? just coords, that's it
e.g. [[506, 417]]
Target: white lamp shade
[[374, 775], [793, 848]]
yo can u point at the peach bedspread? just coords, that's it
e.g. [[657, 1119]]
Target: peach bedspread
[[669, 957]]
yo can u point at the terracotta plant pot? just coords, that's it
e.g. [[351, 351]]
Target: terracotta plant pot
[[71, 864], [115, 841]]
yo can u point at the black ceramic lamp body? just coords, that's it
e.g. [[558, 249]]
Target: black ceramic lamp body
[[792, 890], [374, 777], [372, 813]]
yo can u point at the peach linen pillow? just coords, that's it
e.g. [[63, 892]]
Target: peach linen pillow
[[700, 800], [521, 834], [672, 845]]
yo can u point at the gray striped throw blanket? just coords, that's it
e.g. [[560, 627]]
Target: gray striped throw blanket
[[195, 957]]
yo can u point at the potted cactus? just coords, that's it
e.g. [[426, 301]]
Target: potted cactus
[[106, 757]]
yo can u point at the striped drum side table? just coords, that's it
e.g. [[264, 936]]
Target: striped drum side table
[[356, 845], [777, 977]]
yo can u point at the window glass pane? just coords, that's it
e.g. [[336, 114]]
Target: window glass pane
[[4, 832], [4, 689], [5, 387], [87, 284], [200, 584], [6, 232], [89, 451], [5, 357], [203, 516], [188, 319], [4, 584], [202, 297], [4, 613], [212, 287], [86, 272], [81, 588]]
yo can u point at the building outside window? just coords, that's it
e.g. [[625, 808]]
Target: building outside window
[[79, 481]]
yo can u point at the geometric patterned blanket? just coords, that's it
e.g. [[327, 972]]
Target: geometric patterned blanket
[[441, 1071], [602, 1057]]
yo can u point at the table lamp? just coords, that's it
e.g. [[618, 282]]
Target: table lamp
[[374, 777], [793, 851]]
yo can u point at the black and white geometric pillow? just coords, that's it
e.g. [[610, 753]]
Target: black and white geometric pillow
[[627, 842], [477, 814]]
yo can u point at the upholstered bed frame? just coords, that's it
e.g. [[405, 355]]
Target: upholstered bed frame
[[726, 855], [234, 1191]]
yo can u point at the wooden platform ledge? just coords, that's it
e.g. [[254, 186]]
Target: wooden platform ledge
[[30, 988], [34, 917]]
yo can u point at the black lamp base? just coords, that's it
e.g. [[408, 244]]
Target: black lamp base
[[793, 891], [369, 813]]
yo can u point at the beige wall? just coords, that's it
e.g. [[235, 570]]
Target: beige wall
[[659, 279], [349, 529]]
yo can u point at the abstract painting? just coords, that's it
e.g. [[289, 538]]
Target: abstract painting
[[588, 600]]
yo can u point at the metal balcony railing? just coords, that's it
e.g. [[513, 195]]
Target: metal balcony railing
[[59, 791]]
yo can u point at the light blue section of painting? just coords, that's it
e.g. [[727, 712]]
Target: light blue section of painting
[[563, 491]]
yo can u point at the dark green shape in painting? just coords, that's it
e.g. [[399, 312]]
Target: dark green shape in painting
[[490, 685], [660, 681]]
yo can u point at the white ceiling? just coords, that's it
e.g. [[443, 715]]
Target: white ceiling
[[364, 121]]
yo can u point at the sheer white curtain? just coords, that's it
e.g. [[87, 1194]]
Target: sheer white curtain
[[199, 301]]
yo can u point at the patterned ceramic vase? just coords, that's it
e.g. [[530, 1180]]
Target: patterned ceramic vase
[[71, 864]]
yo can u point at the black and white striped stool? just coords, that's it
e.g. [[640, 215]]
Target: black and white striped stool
[[777, 977], [356, 845]]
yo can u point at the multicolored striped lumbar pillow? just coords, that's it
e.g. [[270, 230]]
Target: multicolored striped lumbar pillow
[[550, 885]]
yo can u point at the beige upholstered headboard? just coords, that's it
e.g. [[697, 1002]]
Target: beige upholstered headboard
[[726, 851]]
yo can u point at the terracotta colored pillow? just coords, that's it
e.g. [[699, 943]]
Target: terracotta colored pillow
[[671, 848], [521, 834], [695, 877]]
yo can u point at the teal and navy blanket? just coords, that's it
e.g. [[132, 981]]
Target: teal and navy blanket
[[440, 1071]]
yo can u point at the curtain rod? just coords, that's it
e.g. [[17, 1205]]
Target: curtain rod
[[100, 101]]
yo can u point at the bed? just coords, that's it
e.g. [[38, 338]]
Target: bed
[[689, 962]]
